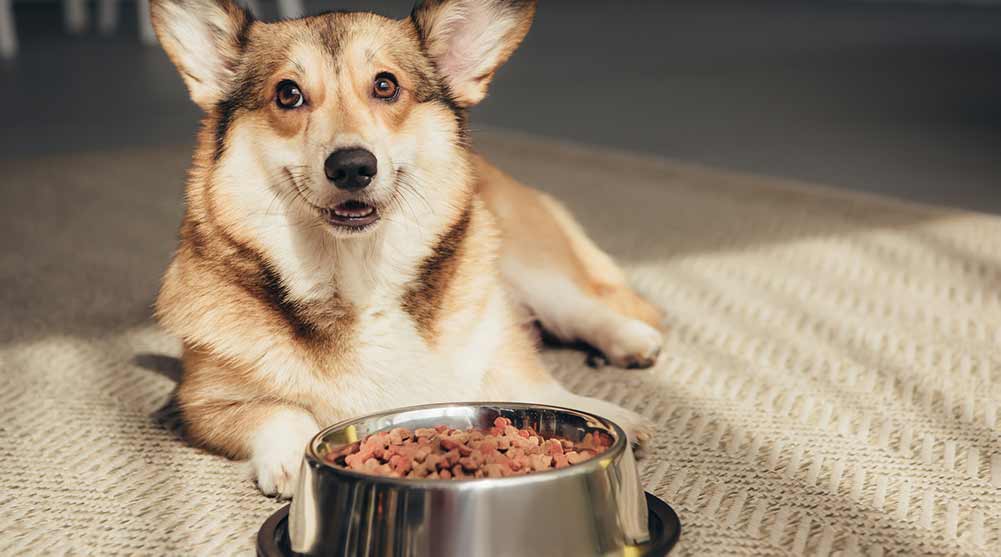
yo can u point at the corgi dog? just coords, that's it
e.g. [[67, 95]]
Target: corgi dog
[[344, 251]]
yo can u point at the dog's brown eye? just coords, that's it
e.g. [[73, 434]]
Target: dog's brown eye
[[288, 95], [385, 86]]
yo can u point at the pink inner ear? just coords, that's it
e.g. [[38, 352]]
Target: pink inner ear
[[474, 36]]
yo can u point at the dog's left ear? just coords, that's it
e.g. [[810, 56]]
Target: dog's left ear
[[469, 39]]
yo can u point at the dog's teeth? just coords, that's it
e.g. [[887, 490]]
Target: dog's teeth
[[354, 213]]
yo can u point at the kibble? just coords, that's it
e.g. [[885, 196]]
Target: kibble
[[446, 453]]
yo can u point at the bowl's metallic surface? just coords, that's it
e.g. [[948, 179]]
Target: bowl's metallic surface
[[596, 507], [665, 529]]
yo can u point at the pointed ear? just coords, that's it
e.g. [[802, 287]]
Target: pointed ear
[[469, 39], [204, 39]]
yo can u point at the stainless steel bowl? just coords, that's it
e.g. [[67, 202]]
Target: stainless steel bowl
[[596, 507]]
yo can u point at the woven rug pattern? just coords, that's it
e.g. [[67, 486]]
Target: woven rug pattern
[[830, 382]]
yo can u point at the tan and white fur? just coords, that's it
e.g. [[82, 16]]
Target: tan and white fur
[[292, 320]]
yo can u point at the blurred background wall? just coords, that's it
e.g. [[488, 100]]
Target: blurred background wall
[[892, 97]]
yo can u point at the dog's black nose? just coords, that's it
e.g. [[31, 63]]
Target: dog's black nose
[[351, 169]]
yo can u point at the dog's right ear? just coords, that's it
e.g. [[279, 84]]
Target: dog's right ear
[[204, 39]]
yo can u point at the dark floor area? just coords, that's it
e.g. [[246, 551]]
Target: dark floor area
[[898, 98]]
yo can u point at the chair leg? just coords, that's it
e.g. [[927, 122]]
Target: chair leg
[[107, 16], [75, 16], [8, 31], [290, 9], [146, 34]]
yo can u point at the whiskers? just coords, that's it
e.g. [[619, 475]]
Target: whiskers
[[289, 198], [406, 182]]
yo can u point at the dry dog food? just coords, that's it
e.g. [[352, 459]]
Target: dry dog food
[[446, 453]]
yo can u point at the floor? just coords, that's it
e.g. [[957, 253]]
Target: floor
[[892, 98]]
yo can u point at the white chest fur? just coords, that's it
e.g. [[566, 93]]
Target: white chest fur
[[392, 365]]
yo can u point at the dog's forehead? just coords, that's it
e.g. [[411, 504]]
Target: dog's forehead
[[333, 38]]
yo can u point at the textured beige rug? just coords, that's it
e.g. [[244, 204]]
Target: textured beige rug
[[831, 379]]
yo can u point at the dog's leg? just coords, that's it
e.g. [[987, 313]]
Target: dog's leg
[[272, 436], [573, 288], [572, 314], [276, 449], [223, 419]]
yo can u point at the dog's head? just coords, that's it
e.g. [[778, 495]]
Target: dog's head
[[348, 116]]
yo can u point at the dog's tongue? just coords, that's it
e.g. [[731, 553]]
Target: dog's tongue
[[353, 209]]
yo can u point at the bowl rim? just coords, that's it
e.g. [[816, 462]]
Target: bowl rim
[[604, 460]]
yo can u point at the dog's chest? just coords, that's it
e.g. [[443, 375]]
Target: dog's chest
[[388, 360], [389, 364]]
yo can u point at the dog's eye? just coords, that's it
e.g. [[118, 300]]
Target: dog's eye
[[385, 86], [288, 95]]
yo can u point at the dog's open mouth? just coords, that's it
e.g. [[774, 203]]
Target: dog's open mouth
[[351, 214]]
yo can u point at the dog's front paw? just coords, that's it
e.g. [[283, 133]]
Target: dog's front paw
[[639, 430], [632, 345], [277, 474], [278, 447]]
